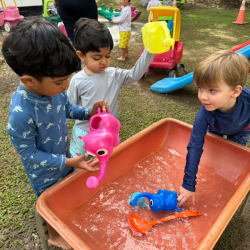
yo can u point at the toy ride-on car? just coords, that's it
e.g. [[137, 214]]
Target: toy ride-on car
[[170, 59], [9, 16]]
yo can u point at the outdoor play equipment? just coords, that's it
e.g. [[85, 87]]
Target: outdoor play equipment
[[217, 203], [168, 85], [50, 13], [180, 4], [169, 20], [109, 13], [9, 16], [134, 13], [240, 46], [142, 226], [100, 141], [170, 59], [163, 200]]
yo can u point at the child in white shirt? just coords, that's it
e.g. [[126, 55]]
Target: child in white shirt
[[124, 21], [98, 79], [153, 3]]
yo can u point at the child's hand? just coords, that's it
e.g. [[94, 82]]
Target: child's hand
[[104, 106], [112, 19], [184, 194], [78, 162]]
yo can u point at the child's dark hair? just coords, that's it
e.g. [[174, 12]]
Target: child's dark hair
[[91, 35], [38, 48]]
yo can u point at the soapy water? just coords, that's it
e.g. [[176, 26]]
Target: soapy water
[[104, 217]]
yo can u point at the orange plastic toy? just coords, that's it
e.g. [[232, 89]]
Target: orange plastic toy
[[142, 226], [240, 46]]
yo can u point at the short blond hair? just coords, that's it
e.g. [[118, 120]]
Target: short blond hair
[[224, 65]]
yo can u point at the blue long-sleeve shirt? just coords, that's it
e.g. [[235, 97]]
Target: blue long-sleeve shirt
[[233, 123], [38, 130]]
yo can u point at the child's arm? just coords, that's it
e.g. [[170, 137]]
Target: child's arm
[[193, 157], [149, 5], [80, 113], [124, 77], [25, 143], [122, 17], [22, 131]]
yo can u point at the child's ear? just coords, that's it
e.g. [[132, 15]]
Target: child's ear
[[237, 91], [80, 55], [28, 80]]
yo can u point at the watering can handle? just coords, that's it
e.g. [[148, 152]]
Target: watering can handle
[[99, 110]]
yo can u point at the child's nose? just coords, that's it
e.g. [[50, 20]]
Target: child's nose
[[204, 96], [103, 60]]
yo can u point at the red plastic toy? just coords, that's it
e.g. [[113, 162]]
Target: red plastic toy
[[240, 46], [135, 14]]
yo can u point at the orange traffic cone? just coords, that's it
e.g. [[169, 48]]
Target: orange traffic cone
[[174, 3], [241, 15]]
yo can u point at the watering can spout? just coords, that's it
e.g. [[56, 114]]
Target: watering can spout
[[146, 195], [168, 42]]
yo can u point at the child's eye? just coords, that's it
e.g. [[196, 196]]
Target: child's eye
[[96, 59], [212, 90], [59, 83], [107, 56]]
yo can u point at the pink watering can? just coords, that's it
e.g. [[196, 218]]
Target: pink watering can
[[100, 141]]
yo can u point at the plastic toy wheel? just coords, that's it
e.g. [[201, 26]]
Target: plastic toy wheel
[[172, 73], [7, 27]]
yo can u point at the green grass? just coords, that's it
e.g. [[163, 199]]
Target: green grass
[[202, 31]]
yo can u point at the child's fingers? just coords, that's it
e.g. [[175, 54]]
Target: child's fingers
[[92, 168], [104, 105], [182, 202], [103, 109], [85, 156], [92, 164], [181, 199], [93, 161]]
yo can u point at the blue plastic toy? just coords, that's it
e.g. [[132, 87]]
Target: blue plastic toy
[[140, 202], [163, 200]]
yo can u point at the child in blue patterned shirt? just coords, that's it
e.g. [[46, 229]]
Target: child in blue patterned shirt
[[44, 59]]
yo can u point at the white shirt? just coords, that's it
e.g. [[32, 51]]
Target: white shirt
[[153, 3], [124, 20]]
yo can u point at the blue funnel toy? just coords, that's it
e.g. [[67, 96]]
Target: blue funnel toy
[[163, 200]]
